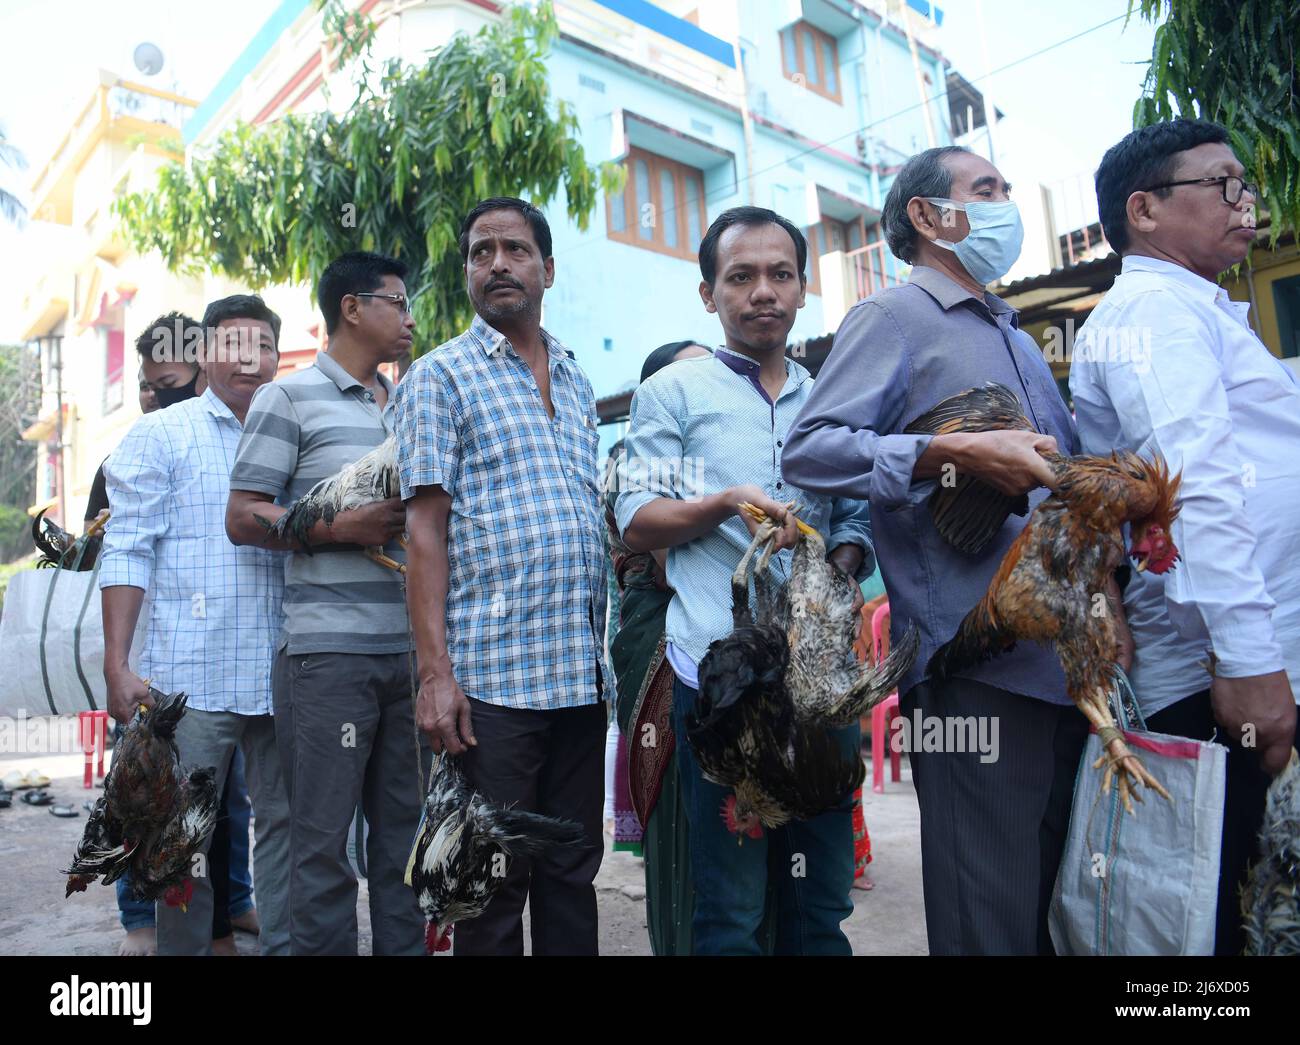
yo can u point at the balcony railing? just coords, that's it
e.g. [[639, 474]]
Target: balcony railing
[[872, 268]]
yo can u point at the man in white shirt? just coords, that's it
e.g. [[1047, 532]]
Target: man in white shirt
[[1168, 365]]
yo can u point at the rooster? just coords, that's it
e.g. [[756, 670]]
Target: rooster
[[463, 850], [153, 816], [771, 691], [59, 549], [1270, 903], [1051, 577], [364, 481]]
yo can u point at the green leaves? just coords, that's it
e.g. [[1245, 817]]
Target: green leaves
[[267, 205], [1234, 64]]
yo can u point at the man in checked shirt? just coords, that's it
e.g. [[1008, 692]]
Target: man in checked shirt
[[214, 609], [496, 434]]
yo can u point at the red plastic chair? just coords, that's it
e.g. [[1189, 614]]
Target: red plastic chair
[[94, 739], [884, 712]]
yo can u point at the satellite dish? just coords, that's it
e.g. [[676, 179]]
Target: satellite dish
[[148, 58]]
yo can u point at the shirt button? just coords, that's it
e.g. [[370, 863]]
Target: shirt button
[[779, 443], [778, 485]]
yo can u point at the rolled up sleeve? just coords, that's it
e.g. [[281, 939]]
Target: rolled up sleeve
[[851, 524], [844, 443], [427, 426], [652, 465], [138, 477], [1175, 404]]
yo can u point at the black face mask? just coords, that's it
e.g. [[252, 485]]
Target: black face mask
[[171, 396]]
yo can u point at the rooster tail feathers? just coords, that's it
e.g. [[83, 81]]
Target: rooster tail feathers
[[890, 671], [166, 714], [977, 639], [529, 834]]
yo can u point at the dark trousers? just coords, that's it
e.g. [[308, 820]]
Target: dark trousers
[[553, 763], [992, 833], [1244, 797], [345, 729]]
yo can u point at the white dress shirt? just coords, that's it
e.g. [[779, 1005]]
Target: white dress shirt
[[1168, 364]]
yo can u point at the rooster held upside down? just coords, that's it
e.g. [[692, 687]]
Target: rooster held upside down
[[1050, 585], [153, 816], [772, 691], [464, 847]]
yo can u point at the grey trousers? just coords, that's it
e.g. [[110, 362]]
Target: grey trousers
[[992, 833], [346, 731], [209, 738]]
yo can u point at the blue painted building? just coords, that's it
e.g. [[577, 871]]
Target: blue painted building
[[805, 106]]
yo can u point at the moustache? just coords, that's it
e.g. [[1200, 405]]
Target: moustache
[[498, 283]]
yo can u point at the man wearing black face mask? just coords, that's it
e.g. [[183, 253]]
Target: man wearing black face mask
[[169, 374]]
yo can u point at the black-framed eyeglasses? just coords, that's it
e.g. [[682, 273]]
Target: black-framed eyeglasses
[[1232, 186], [397, 299]]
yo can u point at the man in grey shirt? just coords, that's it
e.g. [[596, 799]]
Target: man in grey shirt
[[992, 831], [344, 719]]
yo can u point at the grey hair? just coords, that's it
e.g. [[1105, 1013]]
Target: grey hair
[[925, 174]]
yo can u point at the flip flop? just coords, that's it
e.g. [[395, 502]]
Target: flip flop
[[6, 798], [13, 780], [37, 779], [37, 798], [64, 811]]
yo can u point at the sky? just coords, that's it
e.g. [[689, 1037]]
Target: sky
[[1064, 107]]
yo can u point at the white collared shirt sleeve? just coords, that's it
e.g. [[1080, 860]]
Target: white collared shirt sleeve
[[1173, 402], [138, 478]]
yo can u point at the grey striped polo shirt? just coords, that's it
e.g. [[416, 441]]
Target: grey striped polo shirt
[[299, 430]]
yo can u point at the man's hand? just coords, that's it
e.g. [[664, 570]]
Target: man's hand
[[1125, 647], [1264, 702], [1008, 461], [371, 525], [442, 712], [126, 692], [787, 536]]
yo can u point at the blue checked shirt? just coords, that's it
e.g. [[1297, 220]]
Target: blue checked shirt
[[698, 427], [525, 537], [213, 610]]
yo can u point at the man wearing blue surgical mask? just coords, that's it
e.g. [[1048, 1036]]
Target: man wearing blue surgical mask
[[993, 823]]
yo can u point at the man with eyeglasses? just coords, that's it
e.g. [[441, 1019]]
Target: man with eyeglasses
[[342, 679], [1168, 364]]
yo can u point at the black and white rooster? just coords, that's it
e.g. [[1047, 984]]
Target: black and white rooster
[[464, 847], [1270, 902], [366, 480]]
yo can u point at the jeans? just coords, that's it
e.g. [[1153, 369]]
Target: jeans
[[808, 864]]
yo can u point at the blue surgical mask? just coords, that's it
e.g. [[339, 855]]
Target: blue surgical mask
[[995, 238]]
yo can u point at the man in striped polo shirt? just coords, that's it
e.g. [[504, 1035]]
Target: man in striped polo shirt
[[342, 678]]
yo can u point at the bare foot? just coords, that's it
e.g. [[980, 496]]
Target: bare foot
[[247, 922], [225, 947], [139, 943], [864, 883]]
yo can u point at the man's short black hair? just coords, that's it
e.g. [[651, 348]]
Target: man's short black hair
[[541, 230], [925, 174], [240, 306], [748, 216], [356, 272], [1145, 157], [173, 334]]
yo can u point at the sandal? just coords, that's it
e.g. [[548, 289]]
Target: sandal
[[40, 797], [36, 778], [6, 798], [63, 811]]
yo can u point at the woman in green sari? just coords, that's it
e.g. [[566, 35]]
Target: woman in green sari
[[643, 708]]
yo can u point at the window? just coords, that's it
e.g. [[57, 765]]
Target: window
[[811, 57], [660, 208], [826, 236], [1286, 298]]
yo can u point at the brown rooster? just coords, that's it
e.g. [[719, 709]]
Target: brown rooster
[[1054, 574]]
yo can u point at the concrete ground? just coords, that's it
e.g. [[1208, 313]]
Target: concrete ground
[[36, 919]]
